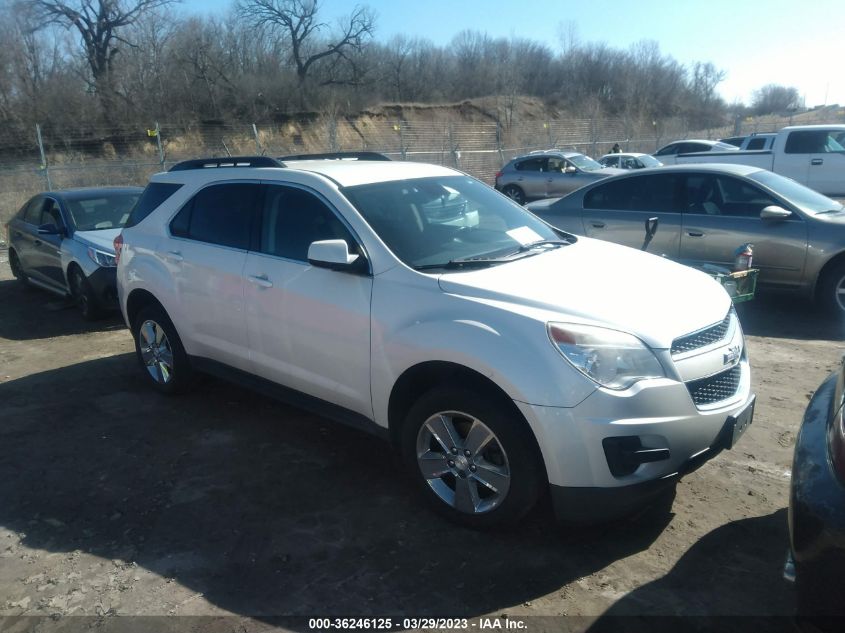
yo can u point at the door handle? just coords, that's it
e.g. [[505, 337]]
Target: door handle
[[37, 242], [260, 280], [597, 225], [175, 256], [695, 233], [817, 161]]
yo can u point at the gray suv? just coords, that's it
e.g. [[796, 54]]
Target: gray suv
[[549, 174]]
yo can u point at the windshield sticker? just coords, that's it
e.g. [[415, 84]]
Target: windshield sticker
[[524, 235]]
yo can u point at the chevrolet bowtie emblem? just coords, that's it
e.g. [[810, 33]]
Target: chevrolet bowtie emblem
[[731, 356]]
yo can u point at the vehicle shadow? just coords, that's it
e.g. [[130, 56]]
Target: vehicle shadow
[[55, 316], [261, 508], [781, 316], [711, 581]]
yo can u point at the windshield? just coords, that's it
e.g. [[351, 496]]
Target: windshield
[[584, 163], [802, 197], [430, 222], [102, 211]]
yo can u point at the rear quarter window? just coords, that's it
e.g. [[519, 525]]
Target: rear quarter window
[[151, 199]]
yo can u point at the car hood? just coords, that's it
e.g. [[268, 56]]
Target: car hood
[[102, 238], [605, 284]]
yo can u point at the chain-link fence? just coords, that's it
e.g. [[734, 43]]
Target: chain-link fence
[[96, 156]]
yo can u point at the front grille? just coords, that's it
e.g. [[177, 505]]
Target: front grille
[[715, 388], [702, 338]]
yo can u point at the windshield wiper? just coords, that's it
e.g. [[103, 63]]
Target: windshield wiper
[[532, 245], [840, 209], [485, 260]]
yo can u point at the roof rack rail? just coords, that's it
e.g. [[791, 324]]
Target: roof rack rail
[[337, 156], [227, 161]]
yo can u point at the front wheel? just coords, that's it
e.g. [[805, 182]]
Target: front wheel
[[514, 193], [832, 290], [84, 297], [473, 458], [160, 352]]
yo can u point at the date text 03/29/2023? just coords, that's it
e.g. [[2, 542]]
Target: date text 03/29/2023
[[353, 624]]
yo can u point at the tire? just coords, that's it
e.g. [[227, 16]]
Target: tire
[[160, 351], [514, 193], [17, 269], [83, 295], [831, 291], [484, 470]]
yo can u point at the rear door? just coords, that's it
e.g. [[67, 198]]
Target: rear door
[[723, 212], [24, 232], [617, 211], [531, 176], [309, 327], [206, 254]]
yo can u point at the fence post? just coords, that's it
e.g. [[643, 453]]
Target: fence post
[[333, 134], [456, 154], [257, 141], [402, 149], [158, 144], [44, 166], [549, 130], [499, 143]]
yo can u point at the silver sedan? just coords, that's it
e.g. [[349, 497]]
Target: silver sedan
[[706, 211]]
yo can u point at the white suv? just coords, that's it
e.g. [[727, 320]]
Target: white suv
[[501, 356]]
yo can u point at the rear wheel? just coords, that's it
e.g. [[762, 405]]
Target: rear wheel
[[17, 269], [160, 352], [83, 295], [473, 458], [514, 193], [832, 290]]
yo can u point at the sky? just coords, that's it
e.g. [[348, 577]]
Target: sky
[[756, 42]]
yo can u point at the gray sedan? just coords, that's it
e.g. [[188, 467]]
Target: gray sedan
[[549, 174], [706, 211]]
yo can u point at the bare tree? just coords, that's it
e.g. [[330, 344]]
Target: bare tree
[[100, 24], [773, 98], [297, 22]]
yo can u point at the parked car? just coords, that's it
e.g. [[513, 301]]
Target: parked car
[[471, 339], [813, 155], [816, 559], [548, 174], [629, 160], [707, 211], [668, 153], [61, 241]]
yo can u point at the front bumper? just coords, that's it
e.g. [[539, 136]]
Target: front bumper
[[659, 414], [103, 282]]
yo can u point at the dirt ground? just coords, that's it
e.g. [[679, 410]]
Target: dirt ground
[[114, 500]]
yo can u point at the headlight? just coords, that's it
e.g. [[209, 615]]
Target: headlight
[[101, 258], [611, 358]]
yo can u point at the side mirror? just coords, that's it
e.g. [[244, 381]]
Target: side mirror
[[774, 212], [570, 169], [50, 229], [334, 254]]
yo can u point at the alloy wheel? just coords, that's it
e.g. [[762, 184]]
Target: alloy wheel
[[156, 352], [463, 462]]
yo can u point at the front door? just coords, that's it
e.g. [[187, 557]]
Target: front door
[[46, 254], [309, 327], [827, 167], [723, 212]]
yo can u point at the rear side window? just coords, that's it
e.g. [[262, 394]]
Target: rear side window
[[532, 164], [756, 143], [219, 214], [669, 150], [32, 213], [644, 193], [154, 195]]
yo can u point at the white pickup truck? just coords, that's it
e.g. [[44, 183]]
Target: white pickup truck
[[813, 155]]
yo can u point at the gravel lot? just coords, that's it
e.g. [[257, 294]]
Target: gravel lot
[[114, 500]]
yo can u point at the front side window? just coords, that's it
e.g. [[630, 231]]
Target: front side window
[[803, 197], [583, 163], [219, 214], [409, 217], [639, 193], [292, 219], [51, 214], [806, 142], [726, 196]]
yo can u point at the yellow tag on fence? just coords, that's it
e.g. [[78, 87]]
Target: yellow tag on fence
[[152, 133]]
